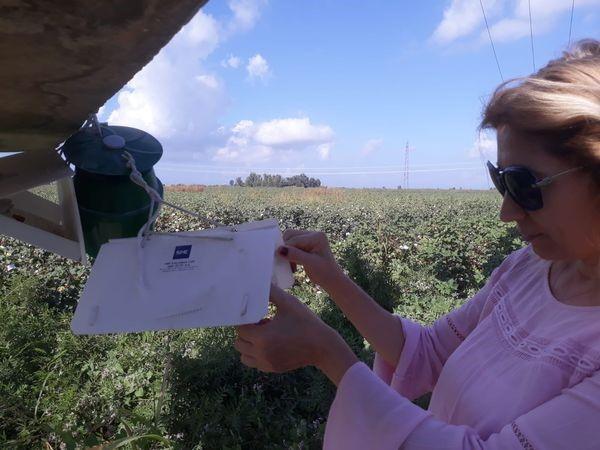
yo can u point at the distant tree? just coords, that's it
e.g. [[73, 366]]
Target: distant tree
[[304, 180], [268, 180], [231, 182], [314, 182], [298, 180], [253, 180]]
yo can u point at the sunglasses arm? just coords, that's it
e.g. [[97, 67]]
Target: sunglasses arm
[[546, 181]]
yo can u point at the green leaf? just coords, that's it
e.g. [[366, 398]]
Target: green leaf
[[129, 440]]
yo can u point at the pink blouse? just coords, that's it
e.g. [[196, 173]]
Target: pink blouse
[[513, 368]]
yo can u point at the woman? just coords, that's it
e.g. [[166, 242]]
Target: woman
[[518, 365]]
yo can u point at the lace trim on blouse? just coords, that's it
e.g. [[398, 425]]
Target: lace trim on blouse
[[570, 356], [454, 329], [521, 437]]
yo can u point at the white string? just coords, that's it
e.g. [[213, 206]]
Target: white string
[[93, 122], [156, 199]]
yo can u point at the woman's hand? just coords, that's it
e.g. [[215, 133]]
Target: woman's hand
[[294, 338], [311, 250], [382, 329]]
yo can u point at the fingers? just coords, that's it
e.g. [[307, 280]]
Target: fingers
[[249, 332], [306, 241], [247, 350], [250, 354], [252, 331], [249, 361], [295, 255], [289, 233], [287, 236], [243, 346], [280, 298]]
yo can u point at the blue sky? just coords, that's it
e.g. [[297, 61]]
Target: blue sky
[[336, 88]]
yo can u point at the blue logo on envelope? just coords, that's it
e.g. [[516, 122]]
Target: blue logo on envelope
[[182, 252]]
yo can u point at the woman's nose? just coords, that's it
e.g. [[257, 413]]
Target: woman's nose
[[510, 211]]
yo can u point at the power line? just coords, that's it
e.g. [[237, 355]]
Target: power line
[[571, 23], [531, 35], [296, 169], [491, 41], [382, 172]]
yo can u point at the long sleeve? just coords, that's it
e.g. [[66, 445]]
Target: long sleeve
[[426, 349], [369, 414]]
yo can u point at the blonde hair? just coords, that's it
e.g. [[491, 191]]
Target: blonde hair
[[560, 104]]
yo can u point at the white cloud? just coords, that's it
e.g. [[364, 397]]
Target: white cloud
[[324, 150], [461, 18], [231, 62], [274, 140], [208, 81], [508, 30], [201, 36], [371, 146], [292, 132], [175, 97], [102, 113], [243, 154], [170, 100], [544, 14], [484, 146], [258, 68], [508, 19], [245, 14]]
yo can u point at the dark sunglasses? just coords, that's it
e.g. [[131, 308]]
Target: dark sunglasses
[[521, 184]]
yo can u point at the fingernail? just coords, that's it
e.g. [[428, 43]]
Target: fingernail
[[283, 251]]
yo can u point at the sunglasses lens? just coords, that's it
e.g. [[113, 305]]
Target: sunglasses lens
[[495, 176], [520, 186]]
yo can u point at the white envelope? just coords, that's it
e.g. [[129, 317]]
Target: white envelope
[[282, 273], [204, 278]]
